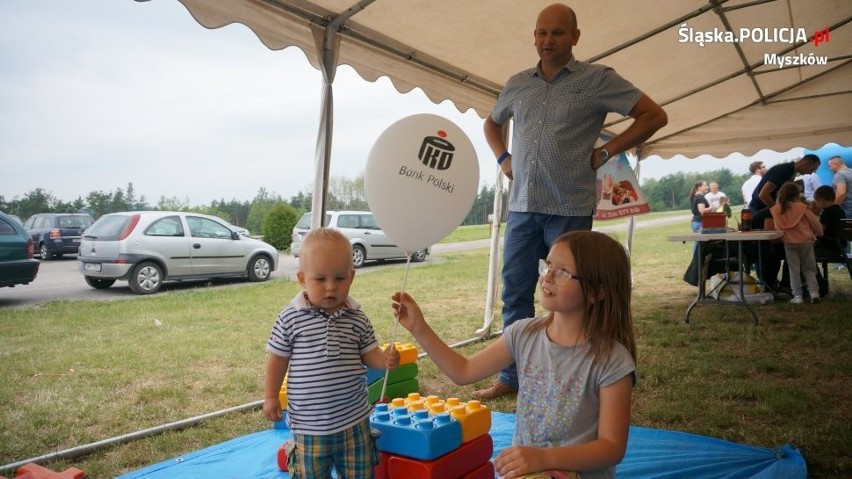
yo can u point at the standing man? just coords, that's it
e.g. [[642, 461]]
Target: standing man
[[558, 109], [757, 169], [811, 182], [714, 197], [842, 183], [767, 190]]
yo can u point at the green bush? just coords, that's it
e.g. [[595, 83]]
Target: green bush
[[278, 226]]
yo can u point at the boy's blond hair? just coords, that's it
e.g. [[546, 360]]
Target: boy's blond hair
[[320, 235]]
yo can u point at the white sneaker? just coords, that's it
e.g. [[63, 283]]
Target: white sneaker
[[797, 300]]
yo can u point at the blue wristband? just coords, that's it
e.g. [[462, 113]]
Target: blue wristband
[[502, 157]]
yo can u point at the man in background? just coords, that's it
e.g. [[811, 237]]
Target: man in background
[[842, 183], [757, 169], [715, 197], [811, 183], [767, 190]]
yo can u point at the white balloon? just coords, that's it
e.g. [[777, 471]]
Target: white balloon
[[421, 180]]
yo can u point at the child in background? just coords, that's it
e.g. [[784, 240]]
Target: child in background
[[576, 364], [325, 339], [800, 228], [831, 216], [831, 243]]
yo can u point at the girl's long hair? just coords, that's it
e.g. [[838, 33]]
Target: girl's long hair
[[695, 187], [604, 267], [788, 194]]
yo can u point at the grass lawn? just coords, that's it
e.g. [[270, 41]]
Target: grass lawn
[[75, 372]]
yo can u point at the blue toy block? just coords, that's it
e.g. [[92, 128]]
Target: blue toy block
[[415, 434]]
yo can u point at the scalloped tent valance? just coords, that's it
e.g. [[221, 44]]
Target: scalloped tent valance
[[721, 97]]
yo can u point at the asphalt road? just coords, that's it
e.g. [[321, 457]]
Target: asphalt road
[[59, 279]]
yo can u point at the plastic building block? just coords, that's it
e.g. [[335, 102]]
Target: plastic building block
[[407, 352], [34, 471], [403, 372], [475, 418], [282, 457], [282, 394], [381, 469], [282, 424], [485, 471], [392, 390], [455, 463], [415, 434]]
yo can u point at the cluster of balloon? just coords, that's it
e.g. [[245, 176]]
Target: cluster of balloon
[[421, 180]]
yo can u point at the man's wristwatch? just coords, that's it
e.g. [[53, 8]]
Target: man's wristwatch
[[604, 155]]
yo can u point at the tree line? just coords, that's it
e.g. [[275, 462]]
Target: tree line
[[670, 192]]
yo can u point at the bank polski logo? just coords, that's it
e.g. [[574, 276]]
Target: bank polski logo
[[436, 152]]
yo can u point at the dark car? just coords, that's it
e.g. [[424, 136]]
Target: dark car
[[17, 265], [56, 234]]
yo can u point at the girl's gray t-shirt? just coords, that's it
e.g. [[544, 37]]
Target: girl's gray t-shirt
[[559, 389]]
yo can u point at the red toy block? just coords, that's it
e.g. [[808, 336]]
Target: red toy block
[[381, 469], [282, 458], [485, 471], [456, 463], [34, 471]]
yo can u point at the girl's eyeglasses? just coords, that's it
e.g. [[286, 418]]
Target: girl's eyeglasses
[[560, 276]]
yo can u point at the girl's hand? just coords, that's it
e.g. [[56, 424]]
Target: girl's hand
[[515, 461], [407, 312], [391, 358]]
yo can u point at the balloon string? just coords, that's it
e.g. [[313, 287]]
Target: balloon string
[[395, 326]]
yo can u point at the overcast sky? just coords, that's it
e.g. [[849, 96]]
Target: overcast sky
[[97, 94]]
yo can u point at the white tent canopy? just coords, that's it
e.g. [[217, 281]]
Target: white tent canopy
[[720, 98]]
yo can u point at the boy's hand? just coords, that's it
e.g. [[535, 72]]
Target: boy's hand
[[407, 312], [391, 358], [272, 409]]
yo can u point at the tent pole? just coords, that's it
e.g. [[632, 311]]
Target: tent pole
[[494, 253], [322, 157], [328, 51], [631, 223], [493, 258], [88, 448]]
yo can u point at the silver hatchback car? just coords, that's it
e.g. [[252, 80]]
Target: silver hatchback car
[[147, 248]]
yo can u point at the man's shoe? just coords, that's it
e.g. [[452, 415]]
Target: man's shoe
[[797, 300], [494, 391], [815, 300]]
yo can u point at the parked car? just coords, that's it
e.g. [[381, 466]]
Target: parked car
[[147, 248], [17, 265], [369, 242], [56, 234]]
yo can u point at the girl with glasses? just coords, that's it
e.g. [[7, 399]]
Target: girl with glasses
[[576, 363]]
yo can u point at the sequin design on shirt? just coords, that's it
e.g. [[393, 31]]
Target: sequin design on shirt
[[550, 402]]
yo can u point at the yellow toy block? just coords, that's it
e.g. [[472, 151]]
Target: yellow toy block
[[407, 352], [282, 394]]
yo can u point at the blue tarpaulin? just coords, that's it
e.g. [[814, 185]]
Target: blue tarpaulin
[[651, 453]]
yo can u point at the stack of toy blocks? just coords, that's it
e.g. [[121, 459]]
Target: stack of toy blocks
[[429, 438], [401, 381]]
